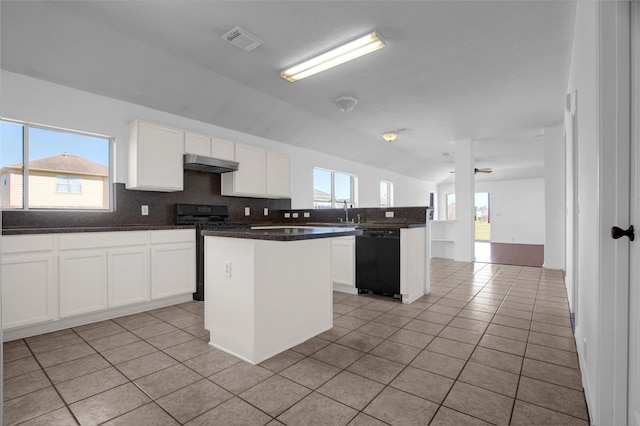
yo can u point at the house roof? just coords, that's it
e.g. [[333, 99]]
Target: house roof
[[66, 163]]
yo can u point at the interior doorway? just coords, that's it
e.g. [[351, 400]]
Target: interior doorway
[[483, 217]]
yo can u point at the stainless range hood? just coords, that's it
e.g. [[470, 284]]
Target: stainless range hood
[[207, 164]]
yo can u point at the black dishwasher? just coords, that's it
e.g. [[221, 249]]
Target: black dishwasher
[[378, 262]]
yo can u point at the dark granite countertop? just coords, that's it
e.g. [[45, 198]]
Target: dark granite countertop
[[284, 233], [67, 229], [369, 225]]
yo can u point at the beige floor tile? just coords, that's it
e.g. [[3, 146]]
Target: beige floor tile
[[310, 346], [60, 417], [165, 381], [490, 378], [15, 351], [154, 329], [516, 313], [365, 420], [212, 362], [31, 405], [443, 309], [557, 342], [460, 335], [46, 345], [310, 372], [382, 331], [197, 330], [234, 412], [411, 338], [76, 368], [426, 327], [107, 405], [69, 353], [337, 355], [397, 407], [90, 384], [502, 344], [553, 356], [128, 352], [392, 320], [19, 367], [351, 389], [477, 402], [348, 322], [474, 315], [525, 414], [98, 332], [135, 321], [43, 336], [114, 341], [397, 352], [424, 384], [334, 333], [191, 401], [145, 365], [556, 330], [451, 347], [508, 332], [359, 341], [186, 320], [240, 377], [317, 409], [376, 368], [511, 322], [497, 359], [170, 339], [438, 363], [275, 395], [435, 317], [24, 384], [471, 324], [363, 313], [554, 397], [188, 350], [149, 414], [552, 373], [448, 417], [281, 361]]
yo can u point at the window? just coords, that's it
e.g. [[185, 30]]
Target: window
[[451, 206], [69, 184], [386, 194], [64, 169], [332, 189]]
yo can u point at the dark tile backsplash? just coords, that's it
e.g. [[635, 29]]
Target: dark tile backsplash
[[375, 214], [199, 188]]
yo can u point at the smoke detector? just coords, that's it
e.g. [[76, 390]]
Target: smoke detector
[[242, 38], [345, 103]]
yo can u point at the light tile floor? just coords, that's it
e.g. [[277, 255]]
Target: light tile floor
[[491, 344]]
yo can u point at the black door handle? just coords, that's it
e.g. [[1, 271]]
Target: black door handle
[[617, 233]]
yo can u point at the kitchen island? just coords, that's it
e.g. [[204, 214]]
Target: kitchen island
[[268, 289]]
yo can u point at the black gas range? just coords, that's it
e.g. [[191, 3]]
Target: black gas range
[[204, 217]]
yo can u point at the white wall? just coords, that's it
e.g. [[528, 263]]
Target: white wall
[[517, 209], [554, 195], [38, 101]]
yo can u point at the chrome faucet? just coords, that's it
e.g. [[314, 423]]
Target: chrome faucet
[[346, 212]]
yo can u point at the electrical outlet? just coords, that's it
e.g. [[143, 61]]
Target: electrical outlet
[[287, 215], [227, 268], [307, 214], [247, 211], [295, 215], [145, 210], [388, 214], [266, 211]]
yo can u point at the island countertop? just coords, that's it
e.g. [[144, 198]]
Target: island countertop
[[283, 233]]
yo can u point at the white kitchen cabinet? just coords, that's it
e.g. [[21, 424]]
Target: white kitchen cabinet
[[128, 277], [442, 238], [155, 157], [278, 175], [343, 257], [195, 143], [261, 173], [29, 291], [83, 281], [173, 263]]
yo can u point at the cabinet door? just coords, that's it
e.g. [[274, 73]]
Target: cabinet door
[[155, 158], [28, 290], [128, 276], [250, 177], [222, 149], [197, 144], [83, 282], [278, 174], [173, 269], [343, 260]]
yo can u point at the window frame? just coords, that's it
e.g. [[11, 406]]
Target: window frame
[[68, 184], [335, 203], [26, 125], [389, 187]]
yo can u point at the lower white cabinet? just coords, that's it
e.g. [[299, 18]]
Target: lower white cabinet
[[173, 269], [29, 294], [128, 277], [343, 254], [83, 282]]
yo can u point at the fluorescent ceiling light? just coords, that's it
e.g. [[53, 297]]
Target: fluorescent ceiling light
[[347, 52]]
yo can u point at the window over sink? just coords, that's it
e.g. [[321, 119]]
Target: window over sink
[[69, 170], [332, 189]]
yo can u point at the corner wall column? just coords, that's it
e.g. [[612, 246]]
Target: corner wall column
[[465, 205]]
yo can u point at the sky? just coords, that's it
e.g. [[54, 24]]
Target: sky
[[45, 143]]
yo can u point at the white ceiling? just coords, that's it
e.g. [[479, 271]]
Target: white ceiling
[[492, 71]]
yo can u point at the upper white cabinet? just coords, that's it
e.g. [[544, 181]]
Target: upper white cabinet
[[155, 157], [261, 173], [195, 143], [278, 175]]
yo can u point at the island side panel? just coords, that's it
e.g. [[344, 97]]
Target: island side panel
[[413, 264], [229, 301], [294, 297]]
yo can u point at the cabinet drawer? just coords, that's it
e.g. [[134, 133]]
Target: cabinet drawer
[[84, 240]]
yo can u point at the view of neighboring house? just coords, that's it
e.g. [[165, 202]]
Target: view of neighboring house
[[59, 181]]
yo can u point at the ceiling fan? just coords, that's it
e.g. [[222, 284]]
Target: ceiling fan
[[479, 170]]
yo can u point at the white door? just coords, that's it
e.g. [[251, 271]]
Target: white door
[[634, 264]]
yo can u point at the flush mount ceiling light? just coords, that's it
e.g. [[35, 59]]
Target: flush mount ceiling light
[[341, 54], [345, 103], [390, 136]]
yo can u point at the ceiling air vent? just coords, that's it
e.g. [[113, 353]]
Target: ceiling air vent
[[243, 39]]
